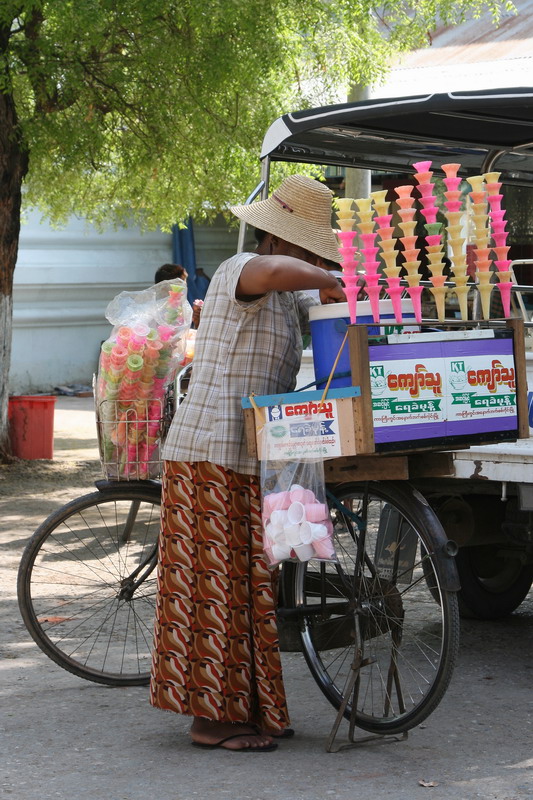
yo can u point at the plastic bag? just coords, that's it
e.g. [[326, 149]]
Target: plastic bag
[[295, 514], [137, 363]]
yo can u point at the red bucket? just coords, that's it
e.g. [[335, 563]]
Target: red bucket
[[31, 426]]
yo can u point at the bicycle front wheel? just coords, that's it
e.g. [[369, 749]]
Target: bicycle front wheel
[[87, 583], [384, 609]]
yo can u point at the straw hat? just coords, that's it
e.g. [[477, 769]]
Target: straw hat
[[298, 212]]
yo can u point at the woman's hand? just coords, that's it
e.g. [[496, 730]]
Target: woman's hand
[[334, 294]]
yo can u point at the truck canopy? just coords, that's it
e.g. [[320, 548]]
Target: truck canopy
[[483, 130]]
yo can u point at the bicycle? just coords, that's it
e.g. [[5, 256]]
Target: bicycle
[[386, 610]]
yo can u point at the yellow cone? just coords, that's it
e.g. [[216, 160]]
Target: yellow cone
[[462, 297], [485, 292], [439, 293]]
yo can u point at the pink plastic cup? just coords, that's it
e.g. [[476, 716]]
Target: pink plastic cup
[[430, 214], [452, 184], [301, 495], [499, 227], [384, 221], [450, 170], [324, 547], [348, 253], [425, 189], [407, 214], [276, 501], [405, 202], [495, 202], [422, 166], [409, 242], [423, 177], [428, 202], [368, 239], [501, 252], [404, 191], [500, 239], [503, 265], [453, 205], [346, 237], [370, 253], [315, 512], [505, 293]]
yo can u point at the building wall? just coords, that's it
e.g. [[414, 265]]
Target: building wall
[[63, 282]]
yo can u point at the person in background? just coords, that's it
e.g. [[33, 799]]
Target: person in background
[[167, 272], [216, 652]]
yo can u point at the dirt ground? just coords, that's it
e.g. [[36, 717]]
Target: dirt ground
[[65, 738]]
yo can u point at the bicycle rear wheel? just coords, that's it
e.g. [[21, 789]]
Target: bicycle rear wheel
[[87, 584], [384, 607]]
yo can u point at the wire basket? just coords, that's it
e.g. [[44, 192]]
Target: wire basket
[[130, 436]]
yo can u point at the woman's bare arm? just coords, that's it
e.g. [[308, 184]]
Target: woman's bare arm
[[286, 274]]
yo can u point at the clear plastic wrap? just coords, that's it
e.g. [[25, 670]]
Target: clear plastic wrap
[[295, 514], [137, 363]]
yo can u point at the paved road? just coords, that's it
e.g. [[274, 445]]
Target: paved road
[[69, 739]]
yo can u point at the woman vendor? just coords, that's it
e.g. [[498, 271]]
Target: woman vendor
[[216, 653]]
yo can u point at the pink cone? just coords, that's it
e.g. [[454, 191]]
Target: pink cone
[[415, 293], [505, 292]]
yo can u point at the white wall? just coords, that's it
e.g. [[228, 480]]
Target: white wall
[[63, 281]]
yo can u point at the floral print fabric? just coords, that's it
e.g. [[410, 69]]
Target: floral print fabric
[[216, 652]]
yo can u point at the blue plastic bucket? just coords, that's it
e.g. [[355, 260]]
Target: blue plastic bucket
[[328, 326]]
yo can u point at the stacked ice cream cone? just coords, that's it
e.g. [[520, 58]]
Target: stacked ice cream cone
[[348, 252], [499, 237], [434, 244], [456, 242]]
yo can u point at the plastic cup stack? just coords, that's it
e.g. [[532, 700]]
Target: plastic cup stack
[[346, 235], [410, 251], [499, 235], [365, 226], [478, 197], [434, 244], [296, 525], [456, 241]]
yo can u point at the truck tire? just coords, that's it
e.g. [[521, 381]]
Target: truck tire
[[492, 585]]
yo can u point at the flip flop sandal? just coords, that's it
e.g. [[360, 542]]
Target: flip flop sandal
[[267, 748], [288, 733]]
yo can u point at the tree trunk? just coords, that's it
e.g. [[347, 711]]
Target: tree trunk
[[13, 168]]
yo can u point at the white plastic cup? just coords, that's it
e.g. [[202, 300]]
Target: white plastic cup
[[280, 552], [316, 512], [296, 513], [304, 551], [323, 548], [279, 518], [292, 534], [274, 533], [310, 531]]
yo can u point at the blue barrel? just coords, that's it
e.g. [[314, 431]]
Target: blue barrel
[[328, 326]]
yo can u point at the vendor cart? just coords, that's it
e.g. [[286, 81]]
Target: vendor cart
[[483, 495]]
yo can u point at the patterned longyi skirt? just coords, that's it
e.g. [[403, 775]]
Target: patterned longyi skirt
[[216, 651]]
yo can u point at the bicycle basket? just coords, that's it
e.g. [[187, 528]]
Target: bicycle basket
[[130, 435]]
